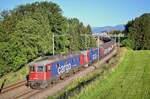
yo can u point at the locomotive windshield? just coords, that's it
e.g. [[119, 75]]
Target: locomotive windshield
[[40, 69]]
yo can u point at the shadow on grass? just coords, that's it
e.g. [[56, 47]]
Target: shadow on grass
[[77, 89]]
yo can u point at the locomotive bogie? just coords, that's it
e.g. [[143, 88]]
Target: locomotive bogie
[[38, 84]]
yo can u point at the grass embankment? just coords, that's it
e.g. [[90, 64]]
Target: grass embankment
[[13, 77], [78, 84], [131, 80]]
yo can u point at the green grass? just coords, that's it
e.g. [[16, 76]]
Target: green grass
[[75, 83], [131, 80], [104, 69], [15, 76]]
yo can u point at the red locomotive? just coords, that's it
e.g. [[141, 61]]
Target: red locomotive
[[53, 68]]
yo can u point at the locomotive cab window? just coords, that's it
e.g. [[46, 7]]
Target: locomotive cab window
[[48, 68], [40, 69]]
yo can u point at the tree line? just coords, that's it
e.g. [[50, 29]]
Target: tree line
[[26, 32], [138, 33]]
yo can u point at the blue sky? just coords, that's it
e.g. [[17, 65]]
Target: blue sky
[[94, 12]]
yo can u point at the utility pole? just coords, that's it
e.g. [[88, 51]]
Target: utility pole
[[98, 37], [85, 40], [53, 43], [98, 47]]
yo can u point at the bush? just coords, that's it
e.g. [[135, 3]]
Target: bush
[[127, 43]]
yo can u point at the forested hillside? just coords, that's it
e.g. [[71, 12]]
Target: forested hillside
[[138, 32], [26, 32]]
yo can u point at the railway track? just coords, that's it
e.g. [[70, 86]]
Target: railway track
[[37, 93], [27, 93], [12, 87]]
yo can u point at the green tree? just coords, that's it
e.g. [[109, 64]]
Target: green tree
[[26, 32], [138, 32]]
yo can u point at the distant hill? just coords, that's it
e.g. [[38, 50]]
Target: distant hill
[[107, 28]]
